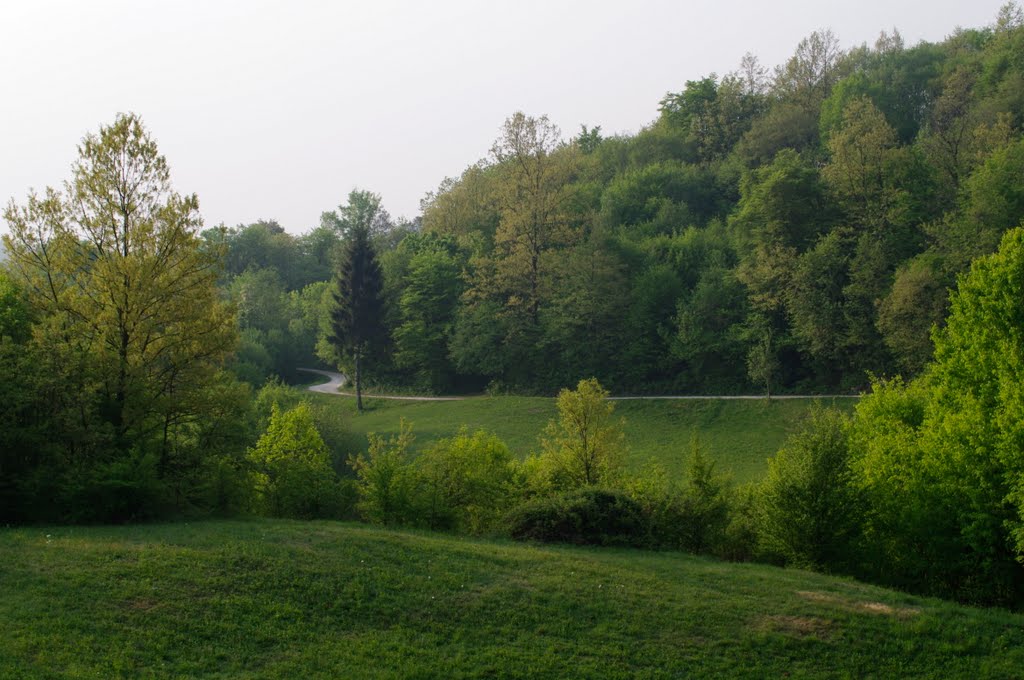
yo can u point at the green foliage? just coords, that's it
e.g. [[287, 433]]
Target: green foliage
[[918, 301], [659, 198], [909, 530], [292, 469], [655, 294], [862, 151], [468, 482], [994, 200], [330, 422], [262, 245], [815, 301], [708, 339], [589, 301], [590, 516], [386, 480], [585, 446], [125, 489], [809, 509], [973, 429], [14, 312], [120, 291], [432, 287], [785, 125], [706, 505], [938, 459], [477, 341], [694, 516], [784, 202]]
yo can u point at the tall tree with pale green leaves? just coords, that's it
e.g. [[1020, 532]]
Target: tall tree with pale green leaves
[[114, 269], [585, 447]]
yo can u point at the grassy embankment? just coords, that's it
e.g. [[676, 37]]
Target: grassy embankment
[[740, 435], [322, 599]]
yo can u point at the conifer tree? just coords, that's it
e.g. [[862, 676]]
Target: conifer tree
[[357, 322]]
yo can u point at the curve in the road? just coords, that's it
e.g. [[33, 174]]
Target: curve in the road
[[335, 381], [339, 380]]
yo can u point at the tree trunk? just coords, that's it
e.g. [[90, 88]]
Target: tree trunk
[[359, 385]]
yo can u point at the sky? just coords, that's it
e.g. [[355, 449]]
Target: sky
[[276, 110]]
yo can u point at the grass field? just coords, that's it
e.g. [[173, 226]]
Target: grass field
[[739, 435], [306, 600]]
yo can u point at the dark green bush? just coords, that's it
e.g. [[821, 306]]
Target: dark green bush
[[123, 490], [587, 516], [704, 515]]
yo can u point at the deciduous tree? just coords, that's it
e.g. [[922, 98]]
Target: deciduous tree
[[585, 446], [114, 268]]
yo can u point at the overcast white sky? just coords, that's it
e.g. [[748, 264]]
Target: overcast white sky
[[278, 109]]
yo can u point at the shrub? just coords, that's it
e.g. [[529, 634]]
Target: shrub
[[705, 506], [694, 517], [466, 482], [809, 511], [329, 422], [739, 539], [122, 490], [387, 483], [293, 474], [588, 516]]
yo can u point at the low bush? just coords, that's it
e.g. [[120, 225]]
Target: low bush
[[589, 516], [703, 516]]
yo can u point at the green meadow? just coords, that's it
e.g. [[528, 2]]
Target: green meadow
[[739, 435], [283, 599]]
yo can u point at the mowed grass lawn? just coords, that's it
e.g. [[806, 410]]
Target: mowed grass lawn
[[740, 435], [280, 599]]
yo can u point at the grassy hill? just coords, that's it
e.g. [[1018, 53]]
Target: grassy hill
[[290, 599], [739, 435]]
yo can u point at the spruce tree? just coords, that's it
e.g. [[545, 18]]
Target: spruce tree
[[357, 317]]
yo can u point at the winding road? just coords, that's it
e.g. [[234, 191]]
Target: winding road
[[338, 380]]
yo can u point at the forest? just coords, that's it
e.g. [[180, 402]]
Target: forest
[[786, 230], [845, 222]]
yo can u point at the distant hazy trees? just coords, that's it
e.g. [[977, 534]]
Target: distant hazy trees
[[774, 230]]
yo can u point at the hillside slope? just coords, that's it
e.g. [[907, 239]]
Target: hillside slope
[[290, 599]]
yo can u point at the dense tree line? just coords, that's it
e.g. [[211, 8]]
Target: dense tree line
[[794, 229]]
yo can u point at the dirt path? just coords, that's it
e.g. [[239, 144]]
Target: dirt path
[[338, 380], [335, 381]]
